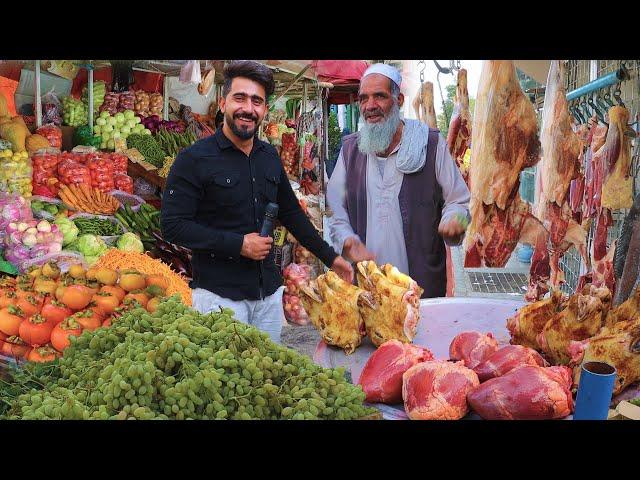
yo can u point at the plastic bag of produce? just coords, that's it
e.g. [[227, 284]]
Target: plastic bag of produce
[[123, 182], [120, 163], [125, 198], [190, 72], [72, 172], [51, 111], [52, 133], [295, 276], [108, 239], [46, 208], [45, 172], [64, 259], [142, 187], [101, 169]]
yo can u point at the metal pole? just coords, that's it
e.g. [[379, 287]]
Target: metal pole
[[90, 88], [302, 112], [38, 95], [165, 96], [352, 112], [323, 146]]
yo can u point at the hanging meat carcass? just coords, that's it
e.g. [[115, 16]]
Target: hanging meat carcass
[[424, 106], [560, 165], [504, 142], [617, 187], [459, 135], [612, 190], [627, 254]]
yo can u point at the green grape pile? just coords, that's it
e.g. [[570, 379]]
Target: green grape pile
[[178, 364]]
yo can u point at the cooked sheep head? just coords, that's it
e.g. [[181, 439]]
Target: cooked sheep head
[[398, 299], [333, 306]]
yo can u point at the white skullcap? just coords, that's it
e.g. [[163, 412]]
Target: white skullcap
[[387, 70]]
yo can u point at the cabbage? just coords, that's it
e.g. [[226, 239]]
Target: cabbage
[[130, 242], [91, 246], [68, 228]]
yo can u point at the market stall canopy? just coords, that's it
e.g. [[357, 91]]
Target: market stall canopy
[[345, 76], [536, 69]]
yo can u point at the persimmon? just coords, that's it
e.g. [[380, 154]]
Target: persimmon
[[55, 311], [36, 330], [114, 290], [131, 280], [62, 331], [15, 347], [89, 319], [43, 354], [10, 319], [76, 297], [159, 280], [30, 305], [140, 297], [9, 297], [152, 305], [107, 302]]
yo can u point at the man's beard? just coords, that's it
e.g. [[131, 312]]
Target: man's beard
[[375, 138], [245, 133]]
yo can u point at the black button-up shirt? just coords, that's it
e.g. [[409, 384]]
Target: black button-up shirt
[[214, 195]]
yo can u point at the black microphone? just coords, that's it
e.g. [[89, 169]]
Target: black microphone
[[270, 215]]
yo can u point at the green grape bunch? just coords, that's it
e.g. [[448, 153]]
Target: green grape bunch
[[178, 364]]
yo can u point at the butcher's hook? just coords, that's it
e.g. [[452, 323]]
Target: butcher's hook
[[422, 65], [603, 106], [607, 98], [585, 108], [595, 109], [576, 111], [616, 95]]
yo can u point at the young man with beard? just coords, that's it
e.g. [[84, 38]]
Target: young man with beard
[[396, 193], [214, 203]]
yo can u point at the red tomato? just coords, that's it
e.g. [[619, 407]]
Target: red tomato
[[55, 311]]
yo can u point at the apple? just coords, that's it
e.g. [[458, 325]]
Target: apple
[[96, 129], [130, 123], [103, 145], [107, 128], [147, 131], [111, 121], [101, 121], [104, 114], [119, 117], [139, 128], [106, 136], [137, 119], [125, 129], [111, 144], [129, 114], [115, 135]]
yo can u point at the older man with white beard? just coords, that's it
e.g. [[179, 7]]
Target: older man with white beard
[[396, 193]]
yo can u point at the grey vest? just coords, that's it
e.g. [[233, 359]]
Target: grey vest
[[421, 205]]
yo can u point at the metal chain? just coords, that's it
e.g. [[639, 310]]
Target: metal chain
[[424, 65]]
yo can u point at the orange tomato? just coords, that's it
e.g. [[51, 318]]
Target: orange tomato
[[107, 302], [76, 297], [35, 330], [10, 319], [114, 290], [62, 331], [30, 305], [43, 354], [55, 312], [140, 297]]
